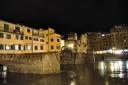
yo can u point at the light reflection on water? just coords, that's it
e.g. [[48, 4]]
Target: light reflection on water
[[102, 73], [113, 68]]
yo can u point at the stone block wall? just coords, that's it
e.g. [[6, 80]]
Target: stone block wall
[[40, 63]]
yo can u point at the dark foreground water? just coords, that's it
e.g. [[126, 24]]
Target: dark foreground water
[[102, 73]]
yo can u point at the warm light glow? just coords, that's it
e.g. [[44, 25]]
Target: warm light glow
[[101, 52], [103, 35], [110, 50], [70, 46], [116, 66], [104, 51], [7, 47], [102, 65], [114, 48], [118, 51], [73, 83]]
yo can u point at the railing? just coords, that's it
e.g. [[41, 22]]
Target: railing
[[11, 31]]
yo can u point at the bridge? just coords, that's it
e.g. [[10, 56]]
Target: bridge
[[41, 63]]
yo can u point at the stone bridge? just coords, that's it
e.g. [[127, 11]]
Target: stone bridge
[[41, 63]]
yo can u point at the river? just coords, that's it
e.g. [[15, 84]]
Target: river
[[101, 73]]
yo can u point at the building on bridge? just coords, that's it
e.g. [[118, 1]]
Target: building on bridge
[[18, 39], [76, 44]]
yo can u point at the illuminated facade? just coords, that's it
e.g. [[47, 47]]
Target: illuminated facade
[[98, 41], [119, 37], [18, 39], [105, 41], [75, 44], [93, 41]]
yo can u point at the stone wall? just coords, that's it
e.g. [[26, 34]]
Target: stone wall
[[46, 63], [73, 58]]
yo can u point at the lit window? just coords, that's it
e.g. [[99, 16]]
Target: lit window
[[7, 47], [16, 47], [22, 47], [29, 47]]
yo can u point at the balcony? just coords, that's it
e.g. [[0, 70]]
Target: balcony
[[18, 32]]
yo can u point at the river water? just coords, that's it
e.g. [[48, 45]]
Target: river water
[[101, 73]]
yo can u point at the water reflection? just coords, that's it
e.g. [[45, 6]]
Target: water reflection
[[113, 68], [105, 73], [73, 82]]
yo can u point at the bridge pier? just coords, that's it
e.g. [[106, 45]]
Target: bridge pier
[[40, 63], [73, 58]]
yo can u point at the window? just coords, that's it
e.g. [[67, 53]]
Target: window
[[35, 39], [52, 47], [58, 40], [51, 40], [36, 47], [1, 47], [30, 38], [8, 36], [6, 27], [8, 47], [22, 47], [28, 30], [17, 36], [16, 47], [42, 40], [58, 47], [1, 35], [41, 47], [19, 47], [22, 37], [12, 47], [17, 29], [29, 47], [26, 37]]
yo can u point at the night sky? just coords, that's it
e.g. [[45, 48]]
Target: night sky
[[66, 15]]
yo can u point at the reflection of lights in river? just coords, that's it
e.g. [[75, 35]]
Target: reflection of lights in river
[[113, 68], [116, 66], [73, 82], [101, 65], [127, 65]]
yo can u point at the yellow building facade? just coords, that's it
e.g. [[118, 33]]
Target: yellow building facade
[[119, 37], [19, 39]]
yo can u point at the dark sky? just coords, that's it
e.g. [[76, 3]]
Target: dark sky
[[66, 15]]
